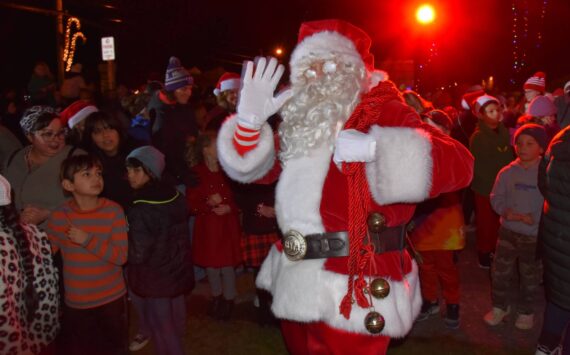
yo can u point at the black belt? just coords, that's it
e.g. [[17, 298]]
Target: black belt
[[335, 244]]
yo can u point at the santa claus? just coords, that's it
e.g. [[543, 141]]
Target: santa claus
[[354, 161]]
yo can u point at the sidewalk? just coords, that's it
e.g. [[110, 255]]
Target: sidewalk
[[242, 335]]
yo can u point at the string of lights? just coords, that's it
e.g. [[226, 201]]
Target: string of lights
[[541, 23], [71, 41], [522, 41], [432, 54]]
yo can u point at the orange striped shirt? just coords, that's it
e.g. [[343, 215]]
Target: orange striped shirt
[[92, 271]]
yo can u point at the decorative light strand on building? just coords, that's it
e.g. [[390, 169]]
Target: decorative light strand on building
[[71, 41], [422, 66], [541, 23], [525, 36]]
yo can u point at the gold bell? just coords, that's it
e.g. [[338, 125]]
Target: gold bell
[[374, 322], [376, 222], [379, 288]]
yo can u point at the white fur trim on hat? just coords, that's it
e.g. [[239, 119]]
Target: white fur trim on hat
[[323, 45], [483, 100], [231, 84], [81, 115]]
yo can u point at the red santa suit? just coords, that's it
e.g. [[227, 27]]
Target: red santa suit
[[413, 162]]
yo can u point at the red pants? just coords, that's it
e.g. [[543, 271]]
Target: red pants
[[437, 269], [320, 339], [487, 222]]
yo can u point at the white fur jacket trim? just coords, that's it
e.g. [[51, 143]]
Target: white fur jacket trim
[[255, 163], [402, 170], [304, 291]]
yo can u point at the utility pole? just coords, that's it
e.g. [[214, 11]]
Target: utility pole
[[59, 41]]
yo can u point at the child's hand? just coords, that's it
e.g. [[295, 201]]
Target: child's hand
[[510, 215], [214, 200], [527, 219], [76, 235], [265, 211], [221, 210], [34, 215]]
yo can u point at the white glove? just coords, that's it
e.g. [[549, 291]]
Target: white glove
[[256, 102], [354, 146]]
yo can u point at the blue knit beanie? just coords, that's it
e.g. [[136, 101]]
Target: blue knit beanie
[[535, 131], [151, 158], [176, 76]]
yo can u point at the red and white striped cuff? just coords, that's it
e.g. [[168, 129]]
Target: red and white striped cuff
[[245, 139]]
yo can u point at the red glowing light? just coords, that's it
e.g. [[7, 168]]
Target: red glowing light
[[425, 14]]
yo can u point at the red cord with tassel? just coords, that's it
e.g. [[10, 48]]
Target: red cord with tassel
[[366, 114]]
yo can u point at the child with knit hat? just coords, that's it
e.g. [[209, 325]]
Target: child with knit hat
[[491, 149], [533, 87], [176, 121], [543, 111], [159, 271], [517, 199]]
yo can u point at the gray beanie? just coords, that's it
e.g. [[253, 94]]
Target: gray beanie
[[151, 158]]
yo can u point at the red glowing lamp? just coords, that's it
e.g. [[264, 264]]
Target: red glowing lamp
[[425, 14]]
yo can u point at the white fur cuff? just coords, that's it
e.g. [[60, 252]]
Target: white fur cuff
[[255, 163], [402, 171]]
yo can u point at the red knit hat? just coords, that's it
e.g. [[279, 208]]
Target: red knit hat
[[326, 36], [536, 82], [228, 81], [77, 112]]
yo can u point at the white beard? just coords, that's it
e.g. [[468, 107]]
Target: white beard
[[318, 110]]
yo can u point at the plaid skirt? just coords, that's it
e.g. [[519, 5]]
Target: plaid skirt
[[255, 247]]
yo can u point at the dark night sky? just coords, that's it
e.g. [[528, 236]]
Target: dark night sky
[[473, 37]]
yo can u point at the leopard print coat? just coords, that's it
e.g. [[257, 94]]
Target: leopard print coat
[[16, 335]]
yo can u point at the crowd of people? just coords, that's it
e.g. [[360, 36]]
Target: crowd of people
[[108, 200]]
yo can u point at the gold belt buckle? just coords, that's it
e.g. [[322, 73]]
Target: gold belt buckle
[[294, 245]]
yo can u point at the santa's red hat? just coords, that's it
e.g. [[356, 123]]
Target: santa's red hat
[[77, 112], [470, 96], [325, 37], [483, 101], [536, 82], [228, 81]]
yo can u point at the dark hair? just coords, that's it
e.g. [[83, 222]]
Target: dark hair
[[9, 218], [104, 119], [439, 117], [135, 163], [43, 121], [75, 163], [415, 101]]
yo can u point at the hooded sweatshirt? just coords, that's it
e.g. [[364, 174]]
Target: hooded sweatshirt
[[516, 188]]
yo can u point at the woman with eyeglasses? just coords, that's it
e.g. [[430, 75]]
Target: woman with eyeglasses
[[33, 171]]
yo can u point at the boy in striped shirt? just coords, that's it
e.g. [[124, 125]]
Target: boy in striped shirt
[[91, 233]]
